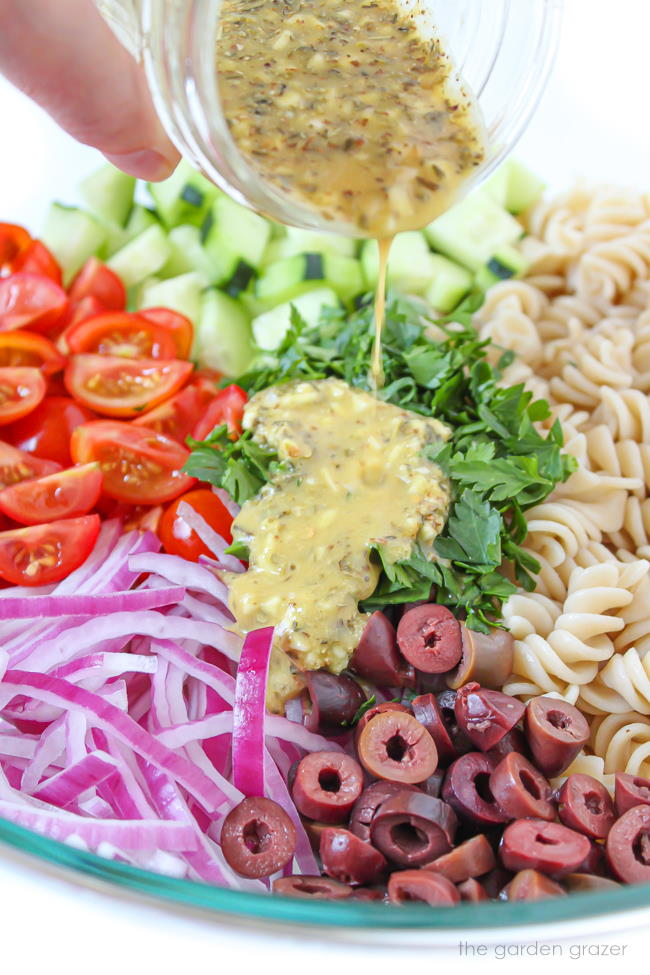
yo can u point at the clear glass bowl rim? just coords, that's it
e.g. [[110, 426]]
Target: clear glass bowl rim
[[323, 914]]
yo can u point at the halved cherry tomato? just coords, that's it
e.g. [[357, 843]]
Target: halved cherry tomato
[[78, 312], [43, 554], [123, 387], [17, 465], [18, 348], [178, 325], [96, 280], [139, 465], [135, 516], [47, 430], [22, 388], [226, 407], [37, 259], [177, 417], [121, 334], [66, 494], [14, 241], [31, 301], [176, 536]]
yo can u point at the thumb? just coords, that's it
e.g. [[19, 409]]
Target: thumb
[[66, 58]]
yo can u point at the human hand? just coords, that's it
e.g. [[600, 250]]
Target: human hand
[[64, 56]]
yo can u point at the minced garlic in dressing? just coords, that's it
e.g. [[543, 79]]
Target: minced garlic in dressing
[[347, 108], [353, 478]]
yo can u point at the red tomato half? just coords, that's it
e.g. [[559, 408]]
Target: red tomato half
[[120, 387], [14, 242], [178, 325], [178, 539], [121, 334], [37, 259], [226, 407], [139, 465], [66, 494], [22, 388], [18, 348], [16, 466], [178, 416], [47, 430], [31, 301], [95, 280], [43, 554]]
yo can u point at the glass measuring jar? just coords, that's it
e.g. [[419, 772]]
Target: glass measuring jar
[[502, 51]]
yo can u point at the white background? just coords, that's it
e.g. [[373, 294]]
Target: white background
[[593, 122]]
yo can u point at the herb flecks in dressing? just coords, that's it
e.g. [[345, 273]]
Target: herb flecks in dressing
[[347, 108], [353, 478]]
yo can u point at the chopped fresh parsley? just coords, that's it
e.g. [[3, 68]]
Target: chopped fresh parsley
[[497, 461]]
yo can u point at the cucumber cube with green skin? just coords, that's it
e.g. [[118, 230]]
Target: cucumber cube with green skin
[[296, 275], [141, 257], [524, 187], [231, 233], [182, 294], [473, 230], [223, 337], [409, 263], [188, 254], [301, 241], [449, 284], [108, 193], [186, 197], [73, 236], [140, 219], [506, 263], [270, 328]]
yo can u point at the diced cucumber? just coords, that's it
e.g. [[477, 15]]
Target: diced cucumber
[[409, 263], [182, 294], [116, 238], [140, 219], [496, 187], [506, 263], [449, 285], [141, 257], [223, 338], [187, 254], [270, 328], [185, 197], [73, 236], [524, 187], [300, 241], [472, 231], [108, 193], [293, 276], [232, 233]]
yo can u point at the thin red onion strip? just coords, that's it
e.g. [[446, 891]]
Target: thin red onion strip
[[249, 712], [65, 787], [40, 607]]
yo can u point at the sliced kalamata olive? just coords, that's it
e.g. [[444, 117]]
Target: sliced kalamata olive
[[330, 701], [579, 883], [375, 710], [412, 828], [429, 713], [327, 785], [315, 888], [369, 802], [531, 885], [472, 858], [586, 805], [595, 861], [520, 790], [407, 886], [370, 894], [467, 789], [257, 838], [314, 832], [395, 746], [513, 741], [377, 657], [495, 881], [348, 859], [630, 791], [429, 638], [433, 785], [447, 704], [628, 846], [471, 890], [486, 716], [556, 731], [547, 847], [486, 658]]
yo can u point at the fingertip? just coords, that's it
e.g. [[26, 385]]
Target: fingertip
[[146, 163]]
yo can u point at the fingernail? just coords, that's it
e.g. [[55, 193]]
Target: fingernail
[[144, 163]]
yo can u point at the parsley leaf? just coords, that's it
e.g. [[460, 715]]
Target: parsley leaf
[[242, 467]]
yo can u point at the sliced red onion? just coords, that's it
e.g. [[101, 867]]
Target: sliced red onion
[[40, 607], [214, 542], [65, 787], [249, 712], [176, 736], [17, 745], [220, 682], [189, 575], [106, 665], [279, 727], [231, 506]]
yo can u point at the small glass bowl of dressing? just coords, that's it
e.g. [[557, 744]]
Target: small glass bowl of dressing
[[501, 53]]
